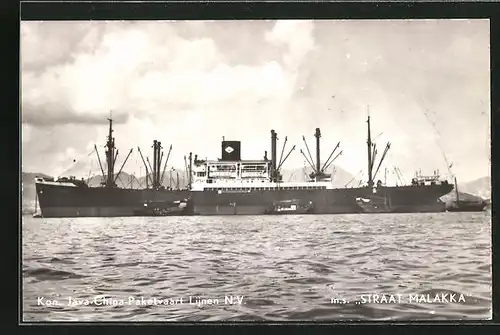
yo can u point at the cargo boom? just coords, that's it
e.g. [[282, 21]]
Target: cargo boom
[[70, 197]]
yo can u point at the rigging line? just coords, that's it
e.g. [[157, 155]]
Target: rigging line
[[401, 174], [438, 135], [90, 171], [398, 177], [136, 161], [75, 162], [121, 181], [359, 183], [130, 183]]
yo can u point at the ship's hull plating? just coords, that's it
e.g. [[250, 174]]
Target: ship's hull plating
[[63, 201], [405, 199]]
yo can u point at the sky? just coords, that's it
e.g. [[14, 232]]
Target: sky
[[425, 83]]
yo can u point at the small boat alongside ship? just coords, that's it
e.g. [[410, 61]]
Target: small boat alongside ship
[[467, 206], [166, 208], [374, 204], [293, 206]]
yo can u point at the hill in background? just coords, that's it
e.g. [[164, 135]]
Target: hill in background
[[480, 187]]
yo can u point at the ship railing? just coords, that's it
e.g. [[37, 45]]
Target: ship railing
[[221, 174], [43, 179], [257, 177], [427, 178]]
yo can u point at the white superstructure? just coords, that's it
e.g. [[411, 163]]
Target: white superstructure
[[243, 175]]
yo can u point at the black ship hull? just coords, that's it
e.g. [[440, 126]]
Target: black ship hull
[[66, 201], [375, 205], [405, 199]]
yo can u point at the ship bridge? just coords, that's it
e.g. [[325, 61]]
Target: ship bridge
[[243, 176], [240, 172], [233, 174], [421, 180]]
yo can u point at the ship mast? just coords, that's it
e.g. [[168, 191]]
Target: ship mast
[[190, 178], [275, 173], [157, 158], [274, 137], [456, 190], [110, 156], [155, 165], [318, 173], [369, 145], [165, 166], [372, 153], [317, 134]]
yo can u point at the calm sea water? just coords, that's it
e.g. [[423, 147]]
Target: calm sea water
[[285, 268]]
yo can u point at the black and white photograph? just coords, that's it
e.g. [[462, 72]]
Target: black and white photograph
[[255, 170]]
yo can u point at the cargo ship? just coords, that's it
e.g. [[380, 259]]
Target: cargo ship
[[230, 185], [71, 197]]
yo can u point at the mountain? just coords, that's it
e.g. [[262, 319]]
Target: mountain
[[480, 187], [450, 197], [476, 190], [123, 180], [169, 179]]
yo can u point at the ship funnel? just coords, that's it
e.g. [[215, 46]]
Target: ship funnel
[[317, 134], [231, 151], [274, 137]]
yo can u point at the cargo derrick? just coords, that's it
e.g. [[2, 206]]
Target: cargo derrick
[[110, 178], [154, 174], [372, 153], [318, 173], [276, 175]]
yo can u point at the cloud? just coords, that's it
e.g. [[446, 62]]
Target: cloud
[[143, 70], [297, 36], [57, 113], [158, 83]]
